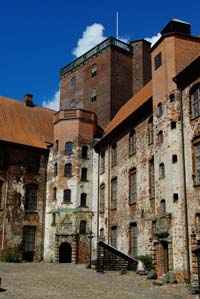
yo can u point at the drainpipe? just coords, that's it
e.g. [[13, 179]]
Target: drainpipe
[[4, 218], [184, 186], [109, 220]]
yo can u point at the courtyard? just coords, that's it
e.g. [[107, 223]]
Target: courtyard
[[59, 281]]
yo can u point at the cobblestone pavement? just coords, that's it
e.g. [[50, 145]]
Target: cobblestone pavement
[[60, 281]]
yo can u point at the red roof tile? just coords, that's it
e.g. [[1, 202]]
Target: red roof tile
[[131, 106], [32, 126]]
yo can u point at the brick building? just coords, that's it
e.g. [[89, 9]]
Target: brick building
[[26, 131], [147, 100], [149, 160]]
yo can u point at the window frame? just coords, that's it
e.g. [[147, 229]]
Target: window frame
[[114, 154], [93, 70], [68, 170], [132, 142], [195, 101], [68, 148], [31, 198], [132, 186], [114, 193], [84, 174], [83, 200], [102, 199], [93, 95], [67, 196]]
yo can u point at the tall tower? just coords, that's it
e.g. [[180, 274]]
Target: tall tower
[[99, 81]]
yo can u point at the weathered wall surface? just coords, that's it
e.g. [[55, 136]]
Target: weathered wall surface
[[16, 174]]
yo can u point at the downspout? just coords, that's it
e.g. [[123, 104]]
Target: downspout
[[4, 218], [188, 278], [109, 220]]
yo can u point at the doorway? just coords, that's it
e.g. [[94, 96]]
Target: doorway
[[65, 253], [164, 257]]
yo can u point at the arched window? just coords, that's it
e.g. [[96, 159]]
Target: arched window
[[83, 199], [56, 146], [84, 174], [68, 148], [54, 193], [162, 170], [163, 207], [1, 193], [160, 110], [160, 136], [82, 229], [84, 152], [195, 101], [132, 143], [150, 130], [55, 169], [101, 234], [31, 197], [67, 196], [68, 170]]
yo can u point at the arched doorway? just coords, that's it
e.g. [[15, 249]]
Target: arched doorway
[[65, 253]]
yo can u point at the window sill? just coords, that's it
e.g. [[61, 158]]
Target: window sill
[[82, 180], [132, 203], [32, 212], [152, 197], [67, 202], [196, 185], [113, 208]]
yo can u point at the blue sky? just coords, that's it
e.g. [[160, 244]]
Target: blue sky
[[37, 38]]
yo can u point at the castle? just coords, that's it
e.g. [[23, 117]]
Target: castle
[[119, 162]]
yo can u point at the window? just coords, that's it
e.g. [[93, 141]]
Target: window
[[134, 239], [102, 162], [54, 193], [114, 236], [173, 125], [162, 170], [151, 179], [93, 95], [34, 165], [172, 98], [84, 152], [83, 224], [195, 101], [175, 197], [163, 207], [132, 142], [55, 169], [1, 193], [160, 110], [53, 223], [68, 170], [67, 196], [28, 242], [114, 193], [174, 159], [31, 198], [68, 148], [84, 174], [102, 198], [94, 70], [83, 200], [114, 154], [197, 163], [160, 136], [158, 60], [56, 146], [132, 186], [102, 234], [197, 223], [150, 130], [73, 82]]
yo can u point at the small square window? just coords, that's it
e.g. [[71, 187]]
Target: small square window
[[94, 70], [158, 60], [93, 95]]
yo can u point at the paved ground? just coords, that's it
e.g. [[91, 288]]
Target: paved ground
[[60, 281]]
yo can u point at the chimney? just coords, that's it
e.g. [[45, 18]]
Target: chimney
[[28, 100]]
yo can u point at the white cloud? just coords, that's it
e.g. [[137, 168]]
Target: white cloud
[[153, 39], [92, 36], [53, 103]]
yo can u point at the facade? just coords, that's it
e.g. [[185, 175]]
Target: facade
[[26, 130], [142, 155]]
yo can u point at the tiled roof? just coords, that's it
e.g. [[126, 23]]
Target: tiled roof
[[131, 106], [32, 126]]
